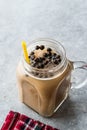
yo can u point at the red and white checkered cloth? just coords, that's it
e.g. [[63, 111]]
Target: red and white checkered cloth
[[17, 121]]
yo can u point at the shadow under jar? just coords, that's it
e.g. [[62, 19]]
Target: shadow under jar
[[45, 93]]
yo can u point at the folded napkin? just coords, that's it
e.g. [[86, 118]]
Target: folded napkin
[[17, 121]]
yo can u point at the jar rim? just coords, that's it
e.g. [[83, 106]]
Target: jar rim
[[57, 67]]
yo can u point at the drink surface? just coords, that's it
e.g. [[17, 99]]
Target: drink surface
[[43, 57]]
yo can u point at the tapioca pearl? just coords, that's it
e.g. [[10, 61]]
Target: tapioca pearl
[[51, 74], [59, 60], [50, 58], [40, 75], [42, 65], [45, 75], [46, 62], [58, 56], [49, 54], [36, 73], [37, 60], [33, 64], [39, 65], [42, 47], [54, 55], [49, 49], [32, 53], [37, 47], [53, 59], [32, 57], [40, 59], [45, 54], [43, 58], [29, 56], [56, 62]]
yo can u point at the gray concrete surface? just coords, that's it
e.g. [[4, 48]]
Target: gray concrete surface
[[62, 20]]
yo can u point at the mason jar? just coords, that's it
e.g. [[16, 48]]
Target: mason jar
[[44, 90]]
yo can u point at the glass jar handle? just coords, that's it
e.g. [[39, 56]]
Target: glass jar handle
[[79, 74]]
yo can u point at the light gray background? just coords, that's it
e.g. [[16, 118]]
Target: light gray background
[[62, 20]]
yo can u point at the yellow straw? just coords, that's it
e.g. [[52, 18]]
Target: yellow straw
[[24, 47]]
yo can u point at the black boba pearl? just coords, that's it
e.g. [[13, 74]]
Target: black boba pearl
[[54, 54], [42, 47], [59, 60], [40, 59], [43, 58], [37, 47], [51, 74], [42, 65], [58, 57], [29, 56], [49, 49], [49, 53], [45, 76], [46, 62], [32, 53], [38, 66], [36, 73], [37, 60], [40, 75], [56, 62], [32, 57], [45, 54], [33, 64], [50, 58]]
